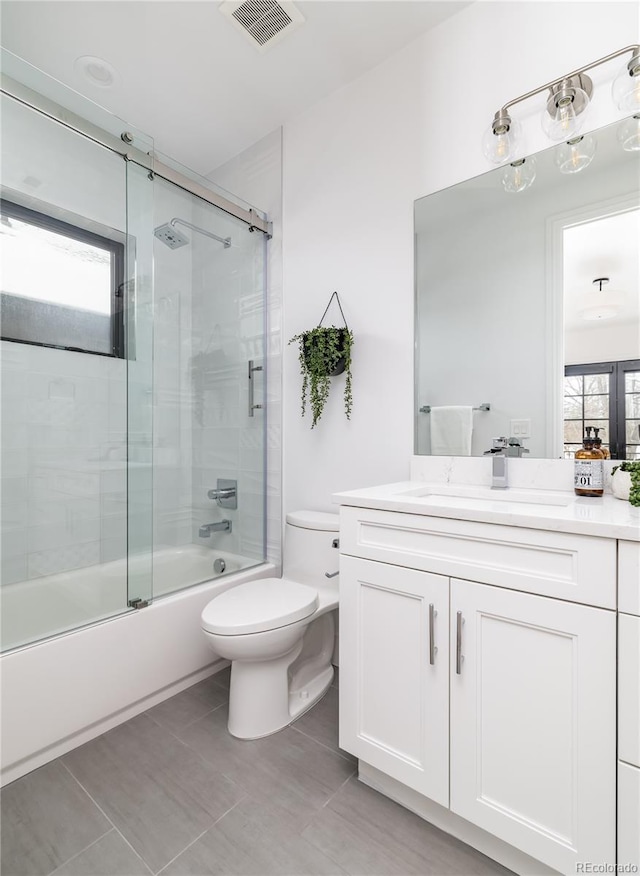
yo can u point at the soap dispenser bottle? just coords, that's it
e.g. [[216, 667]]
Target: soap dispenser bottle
[[588, 476], [597, 443]]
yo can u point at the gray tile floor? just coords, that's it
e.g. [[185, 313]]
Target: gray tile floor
[[171, 792]]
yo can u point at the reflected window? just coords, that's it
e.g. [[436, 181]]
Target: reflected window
[[605, 395], [61, 284]]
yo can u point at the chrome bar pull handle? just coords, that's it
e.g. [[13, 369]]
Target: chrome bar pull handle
[[459, 622], [432, 643], [252, 407]]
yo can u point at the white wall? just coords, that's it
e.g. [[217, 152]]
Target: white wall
[[602, 343], [353, 165]]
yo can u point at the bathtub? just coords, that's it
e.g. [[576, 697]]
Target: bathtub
[[54, 604], [63, 691]]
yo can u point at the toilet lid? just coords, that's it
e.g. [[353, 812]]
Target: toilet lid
[[256, 606]]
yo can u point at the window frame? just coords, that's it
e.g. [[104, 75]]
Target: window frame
[[117, 275]]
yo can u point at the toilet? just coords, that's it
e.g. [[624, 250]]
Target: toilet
[[279, 632]]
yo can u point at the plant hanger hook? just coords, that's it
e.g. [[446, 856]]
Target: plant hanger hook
[[337, 297]]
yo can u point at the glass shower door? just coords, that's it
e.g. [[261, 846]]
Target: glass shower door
[[209, 391], [138, 301]]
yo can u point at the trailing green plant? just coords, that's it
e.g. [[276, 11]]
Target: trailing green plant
[[323, 353], [633, 467]]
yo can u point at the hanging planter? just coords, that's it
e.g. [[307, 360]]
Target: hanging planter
[[324, 352]]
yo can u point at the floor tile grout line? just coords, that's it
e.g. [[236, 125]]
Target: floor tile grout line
[[213, 824], [117, 830], [313, 739], [337, 791], [183, 726], [73, 857]]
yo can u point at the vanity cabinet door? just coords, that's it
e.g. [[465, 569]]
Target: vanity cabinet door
[[533, 748], [394, 672]]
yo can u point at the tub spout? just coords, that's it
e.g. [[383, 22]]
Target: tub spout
[[221, 526]]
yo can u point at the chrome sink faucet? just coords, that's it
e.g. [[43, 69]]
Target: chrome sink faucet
[[221, 526], [502, 449]]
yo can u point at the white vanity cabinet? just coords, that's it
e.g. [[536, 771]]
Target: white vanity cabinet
[[511, 723], [395, 711], [533, 722]]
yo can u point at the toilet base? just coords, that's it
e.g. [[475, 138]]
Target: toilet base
[[259, 699]]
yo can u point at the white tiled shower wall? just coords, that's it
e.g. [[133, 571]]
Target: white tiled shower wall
[[256, 175], [63, 467], [172, 397]]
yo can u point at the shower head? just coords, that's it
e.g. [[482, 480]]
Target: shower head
[[169, 235]]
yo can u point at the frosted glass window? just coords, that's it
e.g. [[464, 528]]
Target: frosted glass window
[[61, 284]]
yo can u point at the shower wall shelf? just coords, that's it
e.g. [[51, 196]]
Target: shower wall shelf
[[485, 406]]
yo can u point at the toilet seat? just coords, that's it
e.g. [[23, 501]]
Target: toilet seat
[[257, 606]]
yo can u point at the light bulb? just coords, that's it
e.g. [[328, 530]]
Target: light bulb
[[502, 140], [519, 175], [575, 155], [628, 134], [626, 86], [563, 123]]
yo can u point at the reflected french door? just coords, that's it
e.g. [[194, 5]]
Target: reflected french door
[[605, 395]]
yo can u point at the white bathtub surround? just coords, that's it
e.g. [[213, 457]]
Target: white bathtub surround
[[60, 693]]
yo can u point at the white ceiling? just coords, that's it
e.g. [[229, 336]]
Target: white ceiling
[[187, 78], [606, 247]]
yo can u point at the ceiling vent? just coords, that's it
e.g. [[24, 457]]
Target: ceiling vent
[[263, 22]]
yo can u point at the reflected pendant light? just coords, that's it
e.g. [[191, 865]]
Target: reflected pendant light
[[599, 306]]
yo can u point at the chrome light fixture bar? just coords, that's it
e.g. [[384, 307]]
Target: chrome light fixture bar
[[567, 101]]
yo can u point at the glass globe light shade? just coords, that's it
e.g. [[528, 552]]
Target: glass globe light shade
[[626, 86], [519, 175], [563, 123], [575, 155], [628, 134], [501, 145]]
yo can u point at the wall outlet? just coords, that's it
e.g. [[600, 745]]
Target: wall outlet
[[520, 429]]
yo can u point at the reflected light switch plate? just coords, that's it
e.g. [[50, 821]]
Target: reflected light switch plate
[[520, 428]]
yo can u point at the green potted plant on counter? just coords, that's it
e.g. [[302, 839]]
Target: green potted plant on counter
[[324, 352], [625, 481]]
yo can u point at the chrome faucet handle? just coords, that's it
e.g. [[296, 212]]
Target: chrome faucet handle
[[331, 574], [498, 445]]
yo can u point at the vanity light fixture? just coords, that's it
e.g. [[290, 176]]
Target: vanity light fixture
[[567, 101], [519, 175], [576, 154]]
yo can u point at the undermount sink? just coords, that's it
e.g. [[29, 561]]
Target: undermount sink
[[451, 494]]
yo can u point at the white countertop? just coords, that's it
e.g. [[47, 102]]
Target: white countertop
[[606, 517]]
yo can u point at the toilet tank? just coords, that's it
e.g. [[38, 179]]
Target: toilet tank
[[308, 547]]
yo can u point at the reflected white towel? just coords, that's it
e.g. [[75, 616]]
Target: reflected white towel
[[451, 428]]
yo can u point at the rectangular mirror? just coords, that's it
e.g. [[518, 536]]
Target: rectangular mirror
[[527, 303]]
